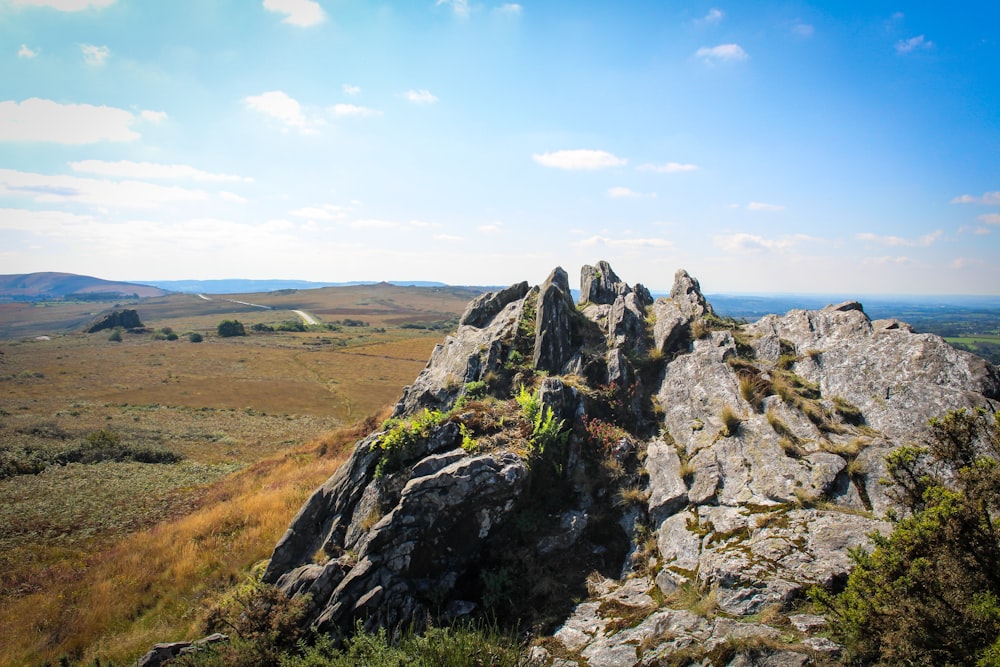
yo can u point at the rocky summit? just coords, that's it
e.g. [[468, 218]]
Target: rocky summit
[[632, 481]]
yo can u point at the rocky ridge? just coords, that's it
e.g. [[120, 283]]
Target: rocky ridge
[[687, 476]]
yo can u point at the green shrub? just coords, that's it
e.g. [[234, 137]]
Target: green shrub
[[195, 337], [401, 438], [929, 592], [230, 328], [115, 336], [460, 646]]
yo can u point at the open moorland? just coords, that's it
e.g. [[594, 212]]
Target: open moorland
[[105, 443]]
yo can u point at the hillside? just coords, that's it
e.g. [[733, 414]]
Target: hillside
[[48, 285]]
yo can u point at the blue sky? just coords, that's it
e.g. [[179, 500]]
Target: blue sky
[[766, 146]]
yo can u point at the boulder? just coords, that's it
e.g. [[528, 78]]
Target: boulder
[[126, 319]]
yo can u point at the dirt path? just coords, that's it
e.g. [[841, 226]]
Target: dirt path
[[306, 317]]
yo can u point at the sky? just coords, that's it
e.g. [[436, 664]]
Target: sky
[[764, 146]]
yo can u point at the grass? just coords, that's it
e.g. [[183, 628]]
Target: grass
[[754, 388], [104, 558], [731, 421], [140, 591]]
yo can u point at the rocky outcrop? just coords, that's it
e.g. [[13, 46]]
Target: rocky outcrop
[[126, 319], [686, 476], [163, 653]]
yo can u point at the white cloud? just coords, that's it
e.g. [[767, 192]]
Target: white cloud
[[982, 231], [668, 168], [490, 228], [460, 7], [802, 30], [232, 197], [990, 218], [155, 117], [761, 206], [280, 106], [886, 259], [713, 17], [965, 262], [351, 90], [65, 5], [447, 237], [627, 193], [39, 222], [44, 120], [26, 52], [988, 198], [913, 44], [509, 8], [752, 243], [921, 242], [95, 55], [300, 13], [354, 110], [325, 212], [150, 170], [625, 244], [721, 53], [44, 188], [582, 159], [409, 225], [422, 96]]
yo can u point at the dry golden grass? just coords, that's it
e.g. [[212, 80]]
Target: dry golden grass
[[145, 588], [104, 560]]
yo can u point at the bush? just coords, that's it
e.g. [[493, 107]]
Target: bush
[[195, 337], [462, 646], [929, 593], [230, 328], [116, 336]]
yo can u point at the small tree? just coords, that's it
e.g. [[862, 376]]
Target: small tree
[[929, 593], [194, 337], [229, 328]]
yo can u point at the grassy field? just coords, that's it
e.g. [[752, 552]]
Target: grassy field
[[971, 340], [249, 418]]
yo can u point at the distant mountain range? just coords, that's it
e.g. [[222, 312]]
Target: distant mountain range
[[51, 285]]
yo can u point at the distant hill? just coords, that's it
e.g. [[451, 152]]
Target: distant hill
[[51, 285], [245, 286]]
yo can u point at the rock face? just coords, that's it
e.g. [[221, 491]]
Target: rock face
[[127, 319], [656, 461]]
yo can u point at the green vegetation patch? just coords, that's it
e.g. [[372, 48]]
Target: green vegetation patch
[[929, 592], [68, 504]]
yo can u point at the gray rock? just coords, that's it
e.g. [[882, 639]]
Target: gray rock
[[686, 293], [165, 652], [667, 491], [600, 284], [481, 310], [807, 622], [426, 542], [554, 331]]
